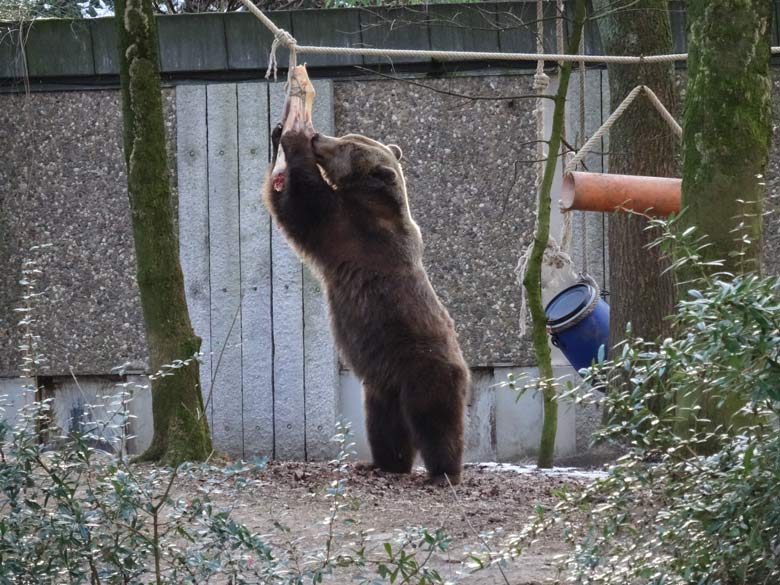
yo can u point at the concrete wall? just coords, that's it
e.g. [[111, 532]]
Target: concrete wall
[[270, 383], [502, 422], [116, 408], [62, 182]]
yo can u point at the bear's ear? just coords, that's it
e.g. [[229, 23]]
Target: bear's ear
[[396, 150], [385, 174]]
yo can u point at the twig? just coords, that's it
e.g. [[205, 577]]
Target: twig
[[222, 352], [156, 527], [471, 526]]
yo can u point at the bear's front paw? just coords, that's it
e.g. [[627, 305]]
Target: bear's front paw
[[276, 136]]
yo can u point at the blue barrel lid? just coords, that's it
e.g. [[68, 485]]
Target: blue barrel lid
[[569, 303]]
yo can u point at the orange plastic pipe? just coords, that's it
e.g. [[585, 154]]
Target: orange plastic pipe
[[656, 196]]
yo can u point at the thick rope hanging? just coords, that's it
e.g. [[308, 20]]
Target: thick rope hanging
[[541, 83], [565, 235], [580, 139], [556, 258], [629, 99]]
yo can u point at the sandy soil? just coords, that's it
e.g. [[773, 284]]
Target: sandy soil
[[488, 499]]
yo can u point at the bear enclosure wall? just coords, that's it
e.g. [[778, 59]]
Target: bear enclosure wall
[[277, 389]]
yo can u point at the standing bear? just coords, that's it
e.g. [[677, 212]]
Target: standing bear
[[356, 231]]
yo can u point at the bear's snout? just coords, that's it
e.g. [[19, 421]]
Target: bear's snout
[[324, 147]]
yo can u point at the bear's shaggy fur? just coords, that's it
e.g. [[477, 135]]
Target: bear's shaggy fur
[[356, 231]]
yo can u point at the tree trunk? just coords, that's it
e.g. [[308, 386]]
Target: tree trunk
[[640, 143], [180, 428], [727, 127]]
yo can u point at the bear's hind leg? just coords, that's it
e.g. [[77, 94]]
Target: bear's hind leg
[[388, 434], [434, 407]]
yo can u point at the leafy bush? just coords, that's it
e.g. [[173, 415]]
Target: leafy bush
[[692, 500], [78, 514], [74, 509]]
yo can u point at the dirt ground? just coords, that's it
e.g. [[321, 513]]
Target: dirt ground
[[488, 499]]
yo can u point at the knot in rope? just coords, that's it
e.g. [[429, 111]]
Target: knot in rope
[[282, 37], [286, 40], [541, 81]]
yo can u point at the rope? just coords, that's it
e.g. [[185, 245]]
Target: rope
[[281, 38], [566, 228], [629, 99], [557, 261], [541, 83], [580, 138], [665, 114], [286, 40], [487, 56], [577, 159]]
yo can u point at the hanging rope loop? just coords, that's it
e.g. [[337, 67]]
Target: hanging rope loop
[[613, 118], [541, 81], [284, 39]]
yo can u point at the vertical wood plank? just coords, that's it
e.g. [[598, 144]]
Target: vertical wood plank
[[517, 27], [192, 42], [321, 379], [226, 394], [192, 165], [249, 41], [255, 229], [288, 367], [395, 28], [321, 376]]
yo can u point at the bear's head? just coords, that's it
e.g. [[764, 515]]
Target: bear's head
[[356, 162], [367, 174]]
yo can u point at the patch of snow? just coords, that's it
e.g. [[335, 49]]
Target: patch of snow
[[574, 472]]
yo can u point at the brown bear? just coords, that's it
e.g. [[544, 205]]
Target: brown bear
[[356, 231]]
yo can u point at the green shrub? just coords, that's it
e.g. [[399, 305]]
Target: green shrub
[[666, 513], [74, 509]]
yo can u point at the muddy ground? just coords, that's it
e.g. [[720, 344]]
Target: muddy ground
[[488, 499]]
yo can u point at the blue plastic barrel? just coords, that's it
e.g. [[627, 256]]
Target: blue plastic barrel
[[578, 321]]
